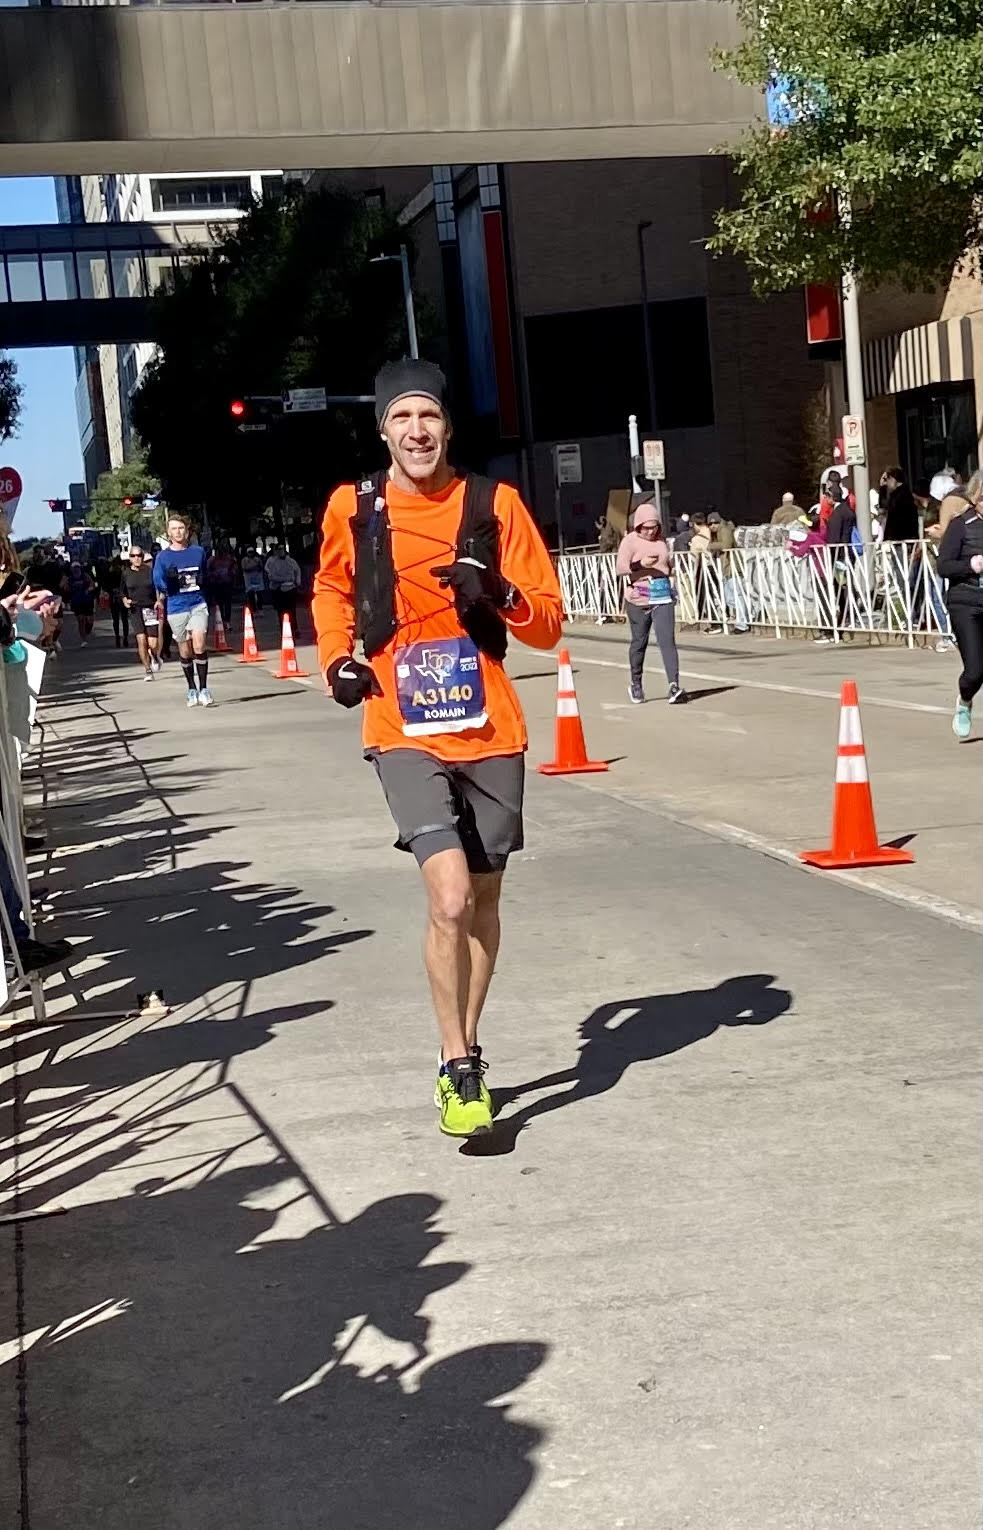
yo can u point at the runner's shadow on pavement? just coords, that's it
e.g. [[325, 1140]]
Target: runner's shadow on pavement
[[712, 690], [617, 1035], [199, 1357]]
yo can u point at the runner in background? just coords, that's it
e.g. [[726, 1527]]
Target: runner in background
[[284, 577], [252, 577], [221, 572], [179, 578], [79, 590], [140, 600], [117, 607]]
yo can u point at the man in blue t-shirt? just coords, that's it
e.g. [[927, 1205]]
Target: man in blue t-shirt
[[179, 578]]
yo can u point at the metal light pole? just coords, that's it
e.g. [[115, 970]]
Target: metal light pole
[[853, 356], [646, 326], [404, 266]]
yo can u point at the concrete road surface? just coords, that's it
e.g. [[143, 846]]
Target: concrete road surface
[[717, 1270]]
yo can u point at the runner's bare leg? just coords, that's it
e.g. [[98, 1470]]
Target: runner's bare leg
[[446, 948], [483, 942]]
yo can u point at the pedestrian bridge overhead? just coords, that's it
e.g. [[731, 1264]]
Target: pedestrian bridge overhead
[[90, 88]]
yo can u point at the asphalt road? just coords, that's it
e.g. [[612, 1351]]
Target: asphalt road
[[717, 1271]]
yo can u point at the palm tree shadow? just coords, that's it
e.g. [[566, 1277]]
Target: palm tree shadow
[[614, 1036]]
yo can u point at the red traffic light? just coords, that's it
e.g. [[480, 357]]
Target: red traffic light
[[127, 501], [237, 408]]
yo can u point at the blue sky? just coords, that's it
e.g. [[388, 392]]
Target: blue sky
[[46, 449]]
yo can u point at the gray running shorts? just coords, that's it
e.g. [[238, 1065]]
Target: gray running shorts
[[184, 623], [437, 805]]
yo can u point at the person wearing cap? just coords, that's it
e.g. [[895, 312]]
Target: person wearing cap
[[645, 563], [442, 723], [721, 550]]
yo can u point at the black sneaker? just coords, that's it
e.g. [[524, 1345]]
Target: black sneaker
[[39, 955], [483, 1091], [677, 695], [635, 692]]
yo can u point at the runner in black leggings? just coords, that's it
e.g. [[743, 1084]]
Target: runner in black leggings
[[961, 562]]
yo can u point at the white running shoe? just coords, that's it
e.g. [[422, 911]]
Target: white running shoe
[[192, 698], [205, 698], [148, 676]]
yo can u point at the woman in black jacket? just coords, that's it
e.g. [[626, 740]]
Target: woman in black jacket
[[961, 562]]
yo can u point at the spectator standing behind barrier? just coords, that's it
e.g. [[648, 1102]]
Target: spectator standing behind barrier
[[788, 512], [645, 562], [954, 502], [283, 576], [721, 550], [684, 535], [961, 562], [607, 537], [900, 510]]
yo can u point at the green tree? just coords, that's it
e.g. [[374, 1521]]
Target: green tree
[[132, 480], [288, 299], [884, 110], [11, 394]]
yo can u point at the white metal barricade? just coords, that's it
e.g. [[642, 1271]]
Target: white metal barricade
[[19, 985], [891, 590]]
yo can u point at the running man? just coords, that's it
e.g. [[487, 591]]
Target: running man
[[140, 600], [179, 578], [440, 569]]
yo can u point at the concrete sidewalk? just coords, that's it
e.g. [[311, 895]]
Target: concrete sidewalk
[[717, 1271]]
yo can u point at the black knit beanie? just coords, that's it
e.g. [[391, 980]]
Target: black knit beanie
[[406, 378]]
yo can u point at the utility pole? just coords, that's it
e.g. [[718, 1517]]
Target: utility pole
[[643, 282], [404, 265], [853, 356]]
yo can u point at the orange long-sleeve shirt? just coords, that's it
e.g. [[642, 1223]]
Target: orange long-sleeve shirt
[[424, 536]]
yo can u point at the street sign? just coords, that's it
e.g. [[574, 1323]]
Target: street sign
[[567, 463], [248, 426], [854, 444], [304, 400], [654, 458], [11, 489]]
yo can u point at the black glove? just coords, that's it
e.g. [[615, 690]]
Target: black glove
[[473, 582], [352, 682]]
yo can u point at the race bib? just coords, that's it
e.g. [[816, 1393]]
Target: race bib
[[439, 687], [187, 580], [655, 590], [150, 617]]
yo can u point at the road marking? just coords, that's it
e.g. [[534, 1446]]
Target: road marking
[[788, 690], [956, 913]]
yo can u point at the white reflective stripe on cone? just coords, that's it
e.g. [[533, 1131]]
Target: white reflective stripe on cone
[[565, 678], [851, 769], [850, 729], [566, 706]]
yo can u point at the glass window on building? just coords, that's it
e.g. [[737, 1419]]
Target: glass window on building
[[93, 269], [127, 273], [937, 429], [587, 369], [174, 196], [24, 275], [59, 277]]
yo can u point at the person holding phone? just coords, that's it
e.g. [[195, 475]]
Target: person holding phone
[[645, 562], [140, 599]]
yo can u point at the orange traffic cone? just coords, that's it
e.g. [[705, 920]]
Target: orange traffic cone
[[571, 751], [289, 668], [221, 642], [854, 830], [250, 648]]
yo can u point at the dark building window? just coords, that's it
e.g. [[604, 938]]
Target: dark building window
[[587, 370], [272, 185], [231, 191]]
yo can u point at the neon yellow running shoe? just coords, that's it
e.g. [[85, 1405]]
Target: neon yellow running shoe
[[463, 1112]]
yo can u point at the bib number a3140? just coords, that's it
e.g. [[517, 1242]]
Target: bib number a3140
[[439, 687]]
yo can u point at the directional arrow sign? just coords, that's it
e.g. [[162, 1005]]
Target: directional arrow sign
[[248, 426]]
